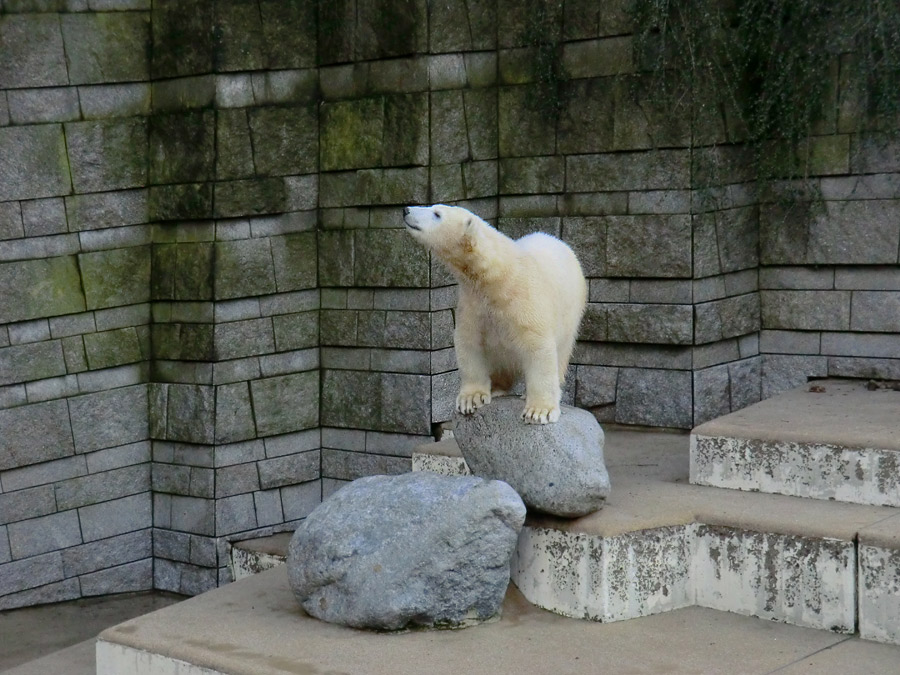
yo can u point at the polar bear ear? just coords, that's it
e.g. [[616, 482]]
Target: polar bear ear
[[469, 223]]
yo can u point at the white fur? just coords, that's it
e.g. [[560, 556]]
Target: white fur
[[520, 304]]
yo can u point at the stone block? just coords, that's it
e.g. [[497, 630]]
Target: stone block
[[99, 487], [115, 100], [526, 122], [531, 175], [11, 226], [169, 137], [598, 58], [587, 237], [41, 535], [34, 51], [660, 398], [344, 465], [861, 232], [289, 31], [107, 47], [789, 342], [109, 418], [33, 361], [249, 197], [746, 382], [235, 514], [193, 514], [594, 325], [234, 414], [29, 573], [286, 403], [595, 386], [875, 311], [377, 401], [298, 501], [108, 519], [130, 577], [389, 258], [116, 277], [351, 134], [285, 140], [268, 507], [26, 504], [118, 457], [112, 348], [42, 167], [240, 43], [464, 25], [182, 39], [860, 344], [396, 330], [712, 393], [190, 413], [43, 473], [295, 257], [388, 28], [805, 310], [657, 170], [44, 217], [170, 478], [236, 479], [783, 372], [586, 116], [20, 446], [726, 318], [521, 23], [796, 278], [238, 339], [289, 469], [108, 154], [30, 106], [650, 246], [189, 201], [5, 554], [234, 147], [243, 268], [653, 323], [109, 209]]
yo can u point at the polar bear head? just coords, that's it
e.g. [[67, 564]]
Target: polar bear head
[[439, 227], [457, 236]]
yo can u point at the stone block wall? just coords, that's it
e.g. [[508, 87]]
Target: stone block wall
[[211, 315], [76, 513]]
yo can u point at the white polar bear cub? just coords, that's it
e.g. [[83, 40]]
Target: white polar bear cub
[[520, 304]]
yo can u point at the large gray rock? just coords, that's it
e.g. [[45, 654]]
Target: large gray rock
[[556, 468], [417, 550]]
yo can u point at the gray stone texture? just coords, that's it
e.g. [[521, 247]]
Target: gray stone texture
[[41, 169], [557, 468], [409, 531]]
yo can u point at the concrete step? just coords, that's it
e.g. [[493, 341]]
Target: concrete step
[[661, 543], [830, 439], [255, 627]]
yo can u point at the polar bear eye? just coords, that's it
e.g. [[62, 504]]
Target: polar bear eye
[[437, 215]]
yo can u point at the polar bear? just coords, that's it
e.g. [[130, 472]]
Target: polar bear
[[520, 304]]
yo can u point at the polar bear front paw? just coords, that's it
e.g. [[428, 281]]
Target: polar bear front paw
[[540, 414], [469, 402]]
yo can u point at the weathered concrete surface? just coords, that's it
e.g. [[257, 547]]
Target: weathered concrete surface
[[414, 550], [442, 458], [828, 440], [557, 468], [258, 555], [879, 581], [254, 627], [660, 544]]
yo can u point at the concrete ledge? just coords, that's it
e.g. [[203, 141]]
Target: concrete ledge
[[879, 581], [831, 440], [255, 627]]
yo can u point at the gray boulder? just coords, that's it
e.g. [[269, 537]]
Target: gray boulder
[[556, 468], [414, 550]]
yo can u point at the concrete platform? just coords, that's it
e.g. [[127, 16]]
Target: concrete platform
[[661, 544], [829, 440], [254, 627]]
